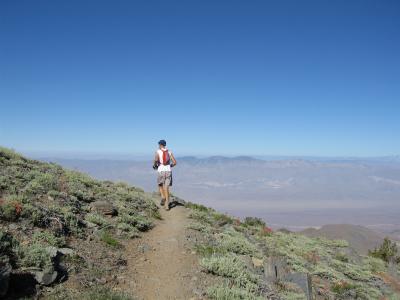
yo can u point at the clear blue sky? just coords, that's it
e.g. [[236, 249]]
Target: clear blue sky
[[212, 77]]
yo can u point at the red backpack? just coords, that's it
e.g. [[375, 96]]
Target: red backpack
[[165, 157]]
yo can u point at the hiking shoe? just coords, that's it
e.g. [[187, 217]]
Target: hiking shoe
[[162, 202]]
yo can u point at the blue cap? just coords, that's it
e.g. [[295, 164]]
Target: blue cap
[[162, 142]]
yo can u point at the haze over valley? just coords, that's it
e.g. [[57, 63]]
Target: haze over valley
[[291, 193]]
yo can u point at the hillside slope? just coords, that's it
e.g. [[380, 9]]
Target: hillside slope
[[63, 229], [360, 238], [257, 263]]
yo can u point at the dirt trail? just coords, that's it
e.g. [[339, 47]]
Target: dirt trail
[[161, 264]]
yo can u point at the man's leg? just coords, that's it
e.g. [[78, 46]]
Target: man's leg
[[166, 195], [162, 195]]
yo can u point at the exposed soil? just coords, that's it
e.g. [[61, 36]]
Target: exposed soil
[[162, 264]]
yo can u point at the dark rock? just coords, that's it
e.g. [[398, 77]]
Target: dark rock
[[275, 268], [5, 271], [22, 285], [52, 251], [393, 269], [66, 251], [303, 280], [103, 207], [45, 277]]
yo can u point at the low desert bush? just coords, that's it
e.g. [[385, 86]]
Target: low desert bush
[[196, 206], [96, 218], [252, 221], [226, 292], [10, 210], [222, 219], [142, 223], [7, 243], [387, 251], [34, 255], [48, 238], [107, 238], [231, 266], [235, 242], [103, 293], [201, 216], [128, 230], [342, 288], [204, 228]]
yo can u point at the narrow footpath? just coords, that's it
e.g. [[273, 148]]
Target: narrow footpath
[[161, 264]]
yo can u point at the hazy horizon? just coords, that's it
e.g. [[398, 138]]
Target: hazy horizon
[[149, 156], [292, 193]]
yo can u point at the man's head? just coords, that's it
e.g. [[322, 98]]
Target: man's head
[[162, 144]]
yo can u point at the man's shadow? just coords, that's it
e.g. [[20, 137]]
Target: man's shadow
[[176, 202]]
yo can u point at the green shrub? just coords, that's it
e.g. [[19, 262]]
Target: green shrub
[[341, 256], [34, 255], [222, 219], [96, 218], [235, 242], [129, 230], [10, 210], [387, 251], [196, 206], [103, 293], [9, 154], [373, 264], [80, 185], [41, 183], [48, 238], [291, 295], [205, 228], [107, 238], [253, 221], [7, 243], [206, 250], [327, 272], [140, 222], [155, 213], [366, 292], [73, 224], [341, 288], [201, 216], [36, 215], [226, 292], [231, 266], [53, 193]]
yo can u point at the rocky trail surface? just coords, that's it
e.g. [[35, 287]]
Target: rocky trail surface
[[162, 264]]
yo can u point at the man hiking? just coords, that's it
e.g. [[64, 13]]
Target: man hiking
[[164, 160]]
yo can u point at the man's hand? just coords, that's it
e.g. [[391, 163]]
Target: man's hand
[[173, 164]]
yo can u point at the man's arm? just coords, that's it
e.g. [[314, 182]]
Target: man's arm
[[155, 161], [155, 158], [173, 160]]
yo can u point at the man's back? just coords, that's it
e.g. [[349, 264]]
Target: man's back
[[163, 166]]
